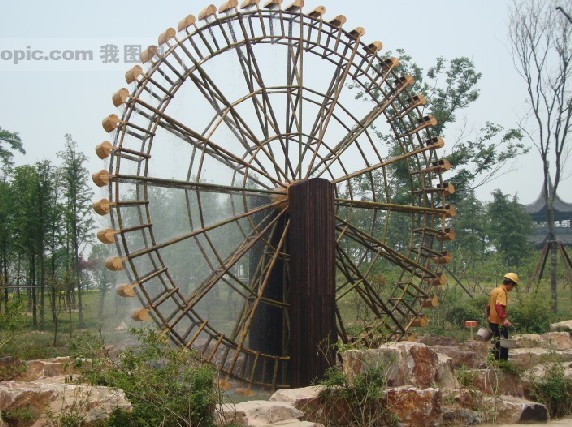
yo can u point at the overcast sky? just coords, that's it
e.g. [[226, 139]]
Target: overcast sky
[[44, 100]]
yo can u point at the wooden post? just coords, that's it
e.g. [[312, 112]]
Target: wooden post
[[311, 247]]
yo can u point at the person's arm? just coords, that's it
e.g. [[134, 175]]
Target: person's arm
[[501, 311]]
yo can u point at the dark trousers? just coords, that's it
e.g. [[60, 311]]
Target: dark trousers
[[500, 353]]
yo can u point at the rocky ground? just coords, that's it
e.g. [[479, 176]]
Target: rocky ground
[[432, 382]]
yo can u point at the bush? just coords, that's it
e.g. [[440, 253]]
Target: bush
[[553, 390], [530, 313], [358, 402], [166, 385]]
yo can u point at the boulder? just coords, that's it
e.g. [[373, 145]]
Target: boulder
[[40, 368], [564, 326], [527, 358], [42, 401], [559, 341], [497, 381], [258, 412], [445, 377], [513, 410], [404, 363], [415, 407], [470, 354]]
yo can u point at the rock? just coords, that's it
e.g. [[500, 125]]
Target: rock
[[405, 363], [414, 407], [461, 416], [46, 401], [527, 358], [39, 368], [497, 381], [512, 410], [470, 354], [297, 396], [539, 371], [559, 341], [445, 378], [564, 326], [257, 412]]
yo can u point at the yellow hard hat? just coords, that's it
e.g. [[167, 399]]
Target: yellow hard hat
[[511, 276]]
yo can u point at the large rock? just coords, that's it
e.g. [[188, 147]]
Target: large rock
[[470, 354], [527, 358], [43, 401], [410, 406], [414, 407], [539, 372], [258, 412], [564, 326], [41, 368], [513, 410], [558, 341], [497, 381], [404, 363]]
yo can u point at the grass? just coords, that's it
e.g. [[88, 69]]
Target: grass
[[527, 311]]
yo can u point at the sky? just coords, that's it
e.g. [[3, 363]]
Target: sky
[[44, 100]]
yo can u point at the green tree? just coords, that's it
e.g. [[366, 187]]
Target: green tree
[[471, 238], [6, 242], [76, 198], [509, 227], [541, 40], [451, 86], [14, 143], [102, 277], [25, 230]]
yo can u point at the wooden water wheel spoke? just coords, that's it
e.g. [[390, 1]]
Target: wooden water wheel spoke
[[365, 204], [198, 186], [377, 246], [330, 100], [250, 188], [264, 110], [208, 284], [202, 142], [245, 326], [360, 284]]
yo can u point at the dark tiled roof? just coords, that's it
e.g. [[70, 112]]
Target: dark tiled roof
[[539, 205], [537, 209]]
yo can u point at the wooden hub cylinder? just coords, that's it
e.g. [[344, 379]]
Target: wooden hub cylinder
[[311, 247]]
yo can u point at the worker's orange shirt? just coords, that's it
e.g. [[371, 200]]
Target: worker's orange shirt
[[498, 296]]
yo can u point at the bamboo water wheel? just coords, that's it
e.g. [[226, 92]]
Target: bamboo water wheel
[[272, 176]]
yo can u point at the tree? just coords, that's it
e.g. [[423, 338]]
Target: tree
[[451, 86], [541, 41], [77, 196], [12, 139], [509, 226]]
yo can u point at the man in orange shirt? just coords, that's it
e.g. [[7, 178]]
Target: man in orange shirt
[[498, 317]]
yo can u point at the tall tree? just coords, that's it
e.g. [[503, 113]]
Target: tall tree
[[541, 41], [25, 227], [14, 143], [509, 226], [76, 195], [451, 86]]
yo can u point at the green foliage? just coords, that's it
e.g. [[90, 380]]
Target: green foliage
[[553, 389], [509, 227], [14, 143], [13, 319], [356, 402], [166, 385], [531, 313]]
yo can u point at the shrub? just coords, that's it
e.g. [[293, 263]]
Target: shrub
[[358, 402], [531, 313], [553, 389], [166, 385]]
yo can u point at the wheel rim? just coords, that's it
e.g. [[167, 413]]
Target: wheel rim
[[235, 97]]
